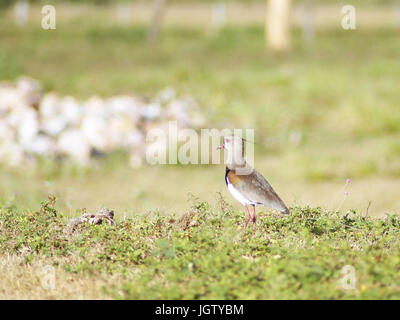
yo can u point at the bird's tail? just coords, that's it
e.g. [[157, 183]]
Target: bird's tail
[[278, 204], [281, 206], [285, 211]]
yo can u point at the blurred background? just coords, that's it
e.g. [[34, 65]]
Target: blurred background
[[77, 101]]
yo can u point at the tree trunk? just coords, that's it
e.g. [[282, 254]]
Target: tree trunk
[[158, 13], [277, 25], [307, 22], [218, 15], [21, 13]]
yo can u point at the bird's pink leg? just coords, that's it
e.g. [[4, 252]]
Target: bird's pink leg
[[247, 216], [254, 216]]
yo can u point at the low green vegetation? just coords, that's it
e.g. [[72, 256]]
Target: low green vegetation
[[206, 253]]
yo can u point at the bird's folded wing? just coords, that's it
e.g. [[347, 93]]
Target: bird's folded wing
[[257, 189]]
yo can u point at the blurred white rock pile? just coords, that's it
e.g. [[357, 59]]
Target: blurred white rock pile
[[36, 124]]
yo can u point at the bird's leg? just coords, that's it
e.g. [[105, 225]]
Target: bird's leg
[[247, 216], [254, 216]]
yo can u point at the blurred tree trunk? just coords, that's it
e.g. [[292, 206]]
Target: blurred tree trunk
[[158, 13], [277, 25], [396, 13], [218, 15], [307, 22], [124, 12], [21, 13]]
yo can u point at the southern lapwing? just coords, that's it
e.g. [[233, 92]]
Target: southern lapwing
[[245, 184]]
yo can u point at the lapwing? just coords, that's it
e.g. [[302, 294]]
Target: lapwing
[[245, 184]]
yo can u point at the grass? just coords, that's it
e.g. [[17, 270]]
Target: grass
[[206, 254]]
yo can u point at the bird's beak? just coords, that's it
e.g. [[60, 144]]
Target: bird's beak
[[222, 146]]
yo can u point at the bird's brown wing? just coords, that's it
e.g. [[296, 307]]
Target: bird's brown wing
[[257, 189]]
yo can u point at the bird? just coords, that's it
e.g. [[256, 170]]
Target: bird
[[245, 184]]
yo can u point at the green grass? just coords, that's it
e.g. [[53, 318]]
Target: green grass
[[208, 255]]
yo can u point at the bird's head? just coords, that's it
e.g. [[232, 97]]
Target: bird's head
[[233, 144]]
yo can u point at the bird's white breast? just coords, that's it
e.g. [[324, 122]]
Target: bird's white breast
[[237, 195]]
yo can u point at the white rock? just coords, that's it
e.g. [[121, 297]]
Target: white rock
[[30, 89], [73, 143], [27, 85], [10, 98], [42, 145], [7, 132], [176, 110], [71, 111], [49, 106], [166, 95], [73, 128], [118, 129], [151, 111], [95, 107], [94, 129], [53, 126], [124, 105], [134, 138], [28, 126]]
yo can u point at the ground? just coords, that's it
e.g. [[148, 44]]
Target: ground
[[205, 254]]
